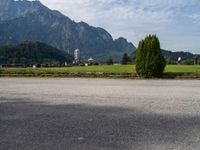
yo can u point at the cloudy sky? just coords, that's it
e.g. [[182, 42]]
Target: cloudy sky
[[176, 22]]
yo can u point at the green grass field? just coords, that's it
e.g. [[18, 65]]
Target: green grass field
[[118, 69]]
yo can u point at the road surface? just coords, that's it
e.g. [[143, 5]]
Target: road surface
[[99, 114]]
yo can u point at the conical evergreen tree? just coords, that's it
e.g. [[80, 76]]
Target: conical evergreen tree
[[109, 61], [149, 59], [125, 59]]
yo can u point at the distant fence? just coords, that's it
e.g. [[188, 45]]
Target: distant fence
[[13, 66]]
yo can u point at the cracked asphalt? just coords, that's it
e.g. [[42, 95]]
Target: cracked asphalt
[[99, 114]]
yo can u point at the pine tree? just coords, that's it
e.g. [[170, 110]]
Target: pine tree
[[109, 61], [125, 59], [149, 59]]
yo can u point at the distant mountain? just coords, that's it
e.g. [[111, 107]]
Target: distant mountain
[[32, 53], [169, 55], [172, 57], [30, 20], [10, 9], [186, 57]]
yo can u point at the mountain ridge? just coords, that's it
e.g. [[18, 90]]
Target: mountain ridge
[[28, 53], [32, 21]]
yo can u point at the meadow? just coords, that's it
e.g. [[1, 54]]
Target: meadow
[[115, 69]]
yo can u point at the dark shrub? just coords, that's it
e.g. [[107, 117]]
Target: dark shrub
[[125, 59], [109, 61], [149, 59]]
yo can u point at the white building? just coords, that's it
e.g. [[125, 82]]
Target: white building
[[77, 55], [91, 60]]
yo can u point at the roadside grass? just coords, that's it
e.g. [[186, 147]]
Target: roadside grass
[[115, 69], [75, 69], [192, 69]]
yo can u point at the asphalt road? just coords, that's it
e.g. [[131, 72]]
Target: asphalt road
[[99, 114]]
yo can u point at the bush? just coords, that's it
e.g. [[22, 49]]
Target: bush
[[109, 61], [149, 59]]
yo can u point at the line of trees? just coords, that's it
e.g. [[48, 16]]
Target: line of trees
[[126, 59]]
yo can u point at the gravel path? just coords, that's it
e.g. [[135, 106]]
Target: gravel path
[[99, 114]]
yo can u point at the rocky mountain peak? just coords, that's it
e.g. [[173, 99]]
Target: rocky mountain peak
[[10, 9], [5, 3], [26, 20]]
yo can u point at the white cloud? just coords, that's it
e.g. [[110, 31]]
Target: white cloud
[[175, 21]]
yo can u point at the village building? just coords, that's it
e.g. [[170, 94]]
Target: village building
[[91, 60], [77, 56]]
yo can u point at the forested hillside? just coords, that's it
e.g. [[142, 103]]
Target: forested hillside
[[32, 52]]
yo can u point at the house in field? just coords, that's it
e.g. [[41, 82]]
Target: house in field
[[91, 60], [179, 60]]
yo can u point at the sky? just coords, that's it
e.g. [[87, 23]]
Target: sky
[[175, 22]]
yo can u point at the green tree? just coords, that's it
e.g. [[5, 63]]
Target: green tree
[[149, 59], [125, 59], [32, 53], [15, 60], [109, 61]]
